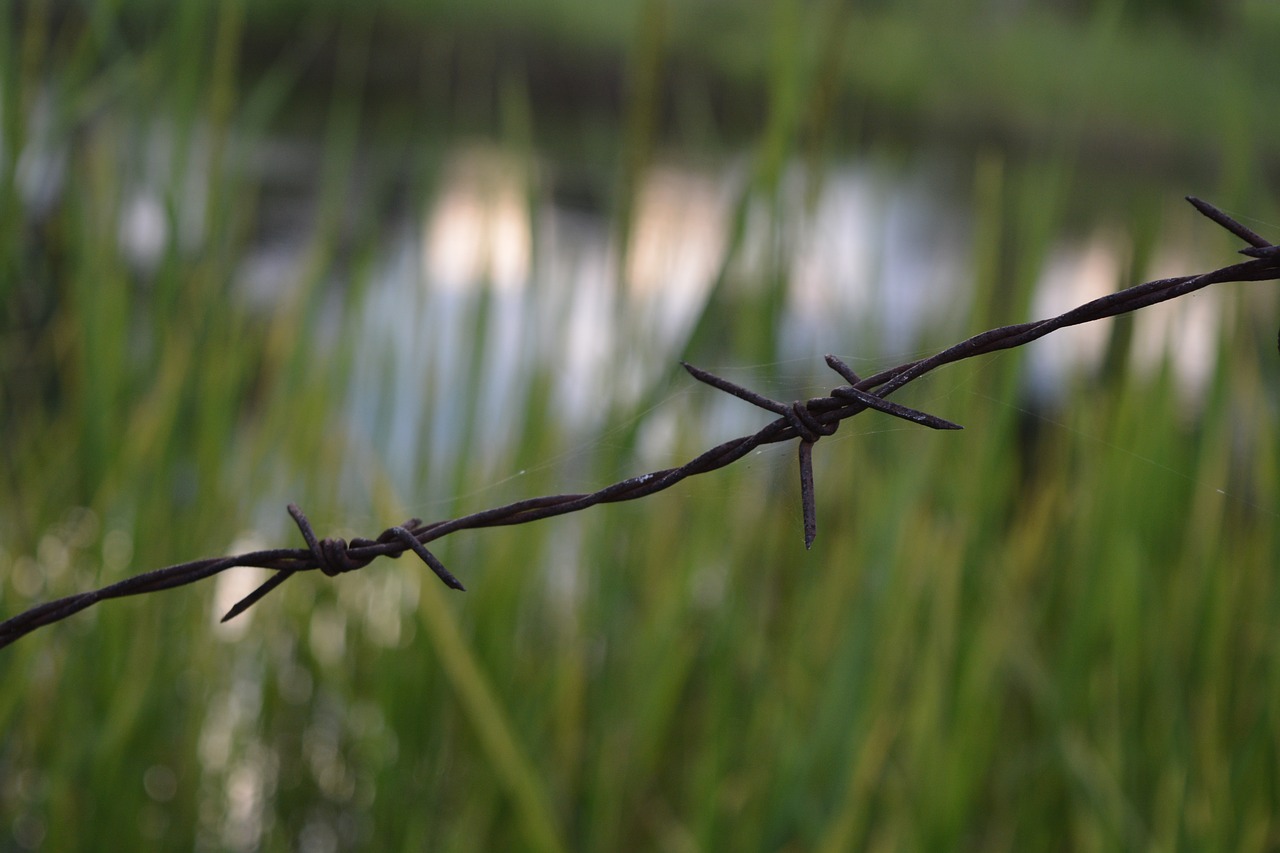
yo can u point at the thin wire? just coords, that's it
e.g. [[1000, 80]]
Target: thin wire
[[808, 420]]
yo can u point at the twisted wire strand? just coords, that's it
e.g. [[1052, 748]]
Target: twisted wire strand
[[808, 420]]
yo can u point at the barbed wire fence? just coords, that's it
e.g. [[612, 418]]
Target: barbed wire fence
[[807, 420]]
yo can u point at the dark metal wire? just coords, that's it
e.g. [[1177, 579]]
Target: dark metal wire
[[807, 420]]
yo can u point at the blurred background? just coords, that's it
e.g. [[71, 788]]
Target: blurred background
[[423, 257]]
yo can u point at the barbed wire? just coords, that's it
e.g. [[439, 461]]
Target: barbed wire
[[807, 420]]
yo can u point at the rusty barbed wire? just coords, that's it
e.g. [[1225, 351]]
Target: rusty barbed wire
[[807, 420]]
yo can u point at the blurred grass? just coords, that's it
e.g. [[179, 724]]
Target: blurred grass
[[1027, 635]]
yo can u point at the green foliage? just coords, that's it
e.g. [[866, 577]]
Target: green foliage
[[1054, 629]]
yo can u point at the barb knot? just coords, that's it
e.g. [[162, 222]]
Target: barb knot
[[331, 555], [806, 425]]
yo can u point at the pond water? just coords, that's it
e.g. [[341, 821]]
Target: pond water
[[496, 281], [494, 275]]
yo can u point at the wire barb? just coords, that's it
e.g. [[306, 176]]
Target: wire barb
[[335, 556], [805, 421], [809, 421], [1236, 228]]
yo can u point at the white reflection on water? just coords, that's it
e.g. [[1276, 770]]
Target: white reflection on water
[[880, 261], [1182, 332], [679, 238], [1185, 331], [500, 293], [478, 228], [501, 282], [1074, 273]]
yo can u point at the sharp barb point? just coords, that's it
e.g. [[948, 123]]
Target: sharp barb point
[[839, 366], [1229, 223], [807, 503]]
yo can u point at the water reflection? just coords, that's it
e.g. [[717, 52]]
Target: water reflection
[[500, 282], [1184, 332], [881, 259], [1181, 334], [1074, 273], [679, 240], [478, 229], [508, 283]]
